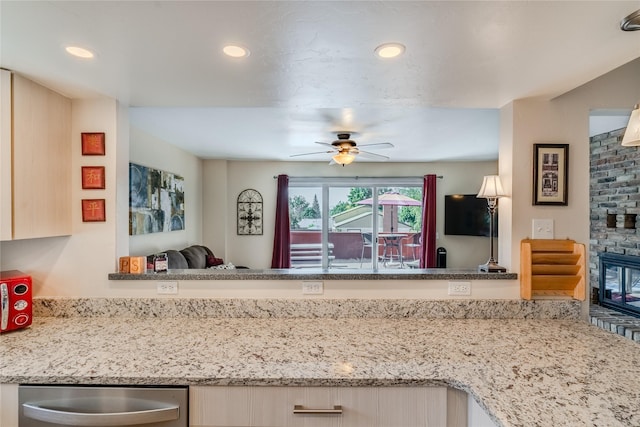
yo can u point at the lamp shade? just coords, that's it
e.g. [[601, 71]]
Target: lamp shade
[[343, 158], [632, 133], [491, 188]]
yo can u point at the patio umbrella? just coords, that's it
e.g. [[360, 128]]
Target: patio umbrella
[[392, 200]]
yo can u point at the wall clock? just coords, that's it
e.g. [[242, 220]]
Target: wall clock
[[249, 213]]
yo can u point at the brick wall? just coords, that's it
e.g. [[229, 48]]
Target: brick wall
[[615, 191]]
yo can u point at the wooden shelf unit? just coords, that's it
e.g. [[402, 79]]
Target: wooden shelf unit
[[552, 268]]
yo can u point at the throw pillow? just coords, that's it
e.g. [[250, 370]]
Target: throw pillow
[[213, 261]]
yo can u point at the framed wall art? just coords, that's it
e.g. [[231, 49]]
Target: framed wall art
[[93, 144], [93, 178], [249, 213], [93, 210], [156, 200], [550, 174]]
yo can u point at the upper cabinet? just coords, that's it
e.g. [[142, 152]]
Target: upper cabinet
[[35, 160]]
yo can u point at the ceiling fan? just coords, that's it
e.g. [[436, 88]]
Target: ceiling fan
[[345, 150]]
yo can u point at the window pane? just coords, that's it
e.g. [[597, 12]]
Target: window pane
[[401, 209], [305, 223], [351, 227], [353, 236]]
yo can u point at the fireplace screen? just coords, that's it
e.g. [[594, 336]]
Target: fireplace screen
[[620, 282]]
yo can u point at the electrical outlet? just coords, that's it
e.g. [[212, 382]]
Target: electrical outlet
[[167, 287], [459, 288], [312, 288]]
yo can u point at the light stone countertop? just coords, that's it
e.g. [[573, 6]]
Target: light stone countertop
[[318, 274], [524, 372]]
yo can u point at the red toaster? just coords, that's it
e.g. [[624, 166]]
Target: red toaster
[[15, 300]]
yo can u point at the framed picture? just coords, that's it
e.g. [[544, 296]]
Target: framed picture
[[93, 210], [93, 144], [249, 213], [93, 178], [550, 174]]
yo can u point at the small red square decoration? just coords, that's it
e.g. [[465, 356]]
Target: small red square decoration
[[93, 177], [93, 144], [93, 210]]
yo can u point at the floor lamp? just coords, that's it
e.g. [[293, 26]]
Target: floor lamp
[[491, 190]]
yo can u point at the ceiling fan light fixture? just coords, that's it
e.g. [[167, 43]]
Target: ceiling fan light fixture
[[631, 136], [236, 51], [390, 50], [344, 158], [79, 52], [631, 22]]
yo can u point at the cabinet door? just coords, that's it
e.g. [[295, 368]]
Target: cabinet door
[[9, 405], [41, 167], [6, 206], [361, 406]]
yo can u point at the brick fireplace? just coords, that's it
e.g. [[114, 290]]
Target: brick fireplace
[[614, 250]]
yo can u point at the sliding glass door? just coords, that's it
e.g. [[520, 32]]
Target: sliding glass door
[[353, 223]]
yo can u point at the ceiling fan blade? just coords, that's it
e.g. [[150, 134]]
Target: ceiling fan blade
[[325, 143], [378, 145], [373, 155], [310, 154]]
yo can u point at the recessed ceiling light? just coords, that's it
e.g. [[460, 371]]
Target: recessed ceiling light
[[235, 51], [390, 50], [79, 52]]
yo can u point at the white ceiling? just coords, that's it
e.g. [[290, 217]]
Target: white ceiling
[[312, 70]]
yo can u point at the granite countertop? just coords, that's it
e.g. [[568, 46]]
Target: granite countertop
[[318, 274], [524, 372]]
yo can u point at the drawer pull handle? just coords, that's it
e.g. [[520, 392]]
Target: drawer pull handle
[[299, 409], [158, 412]]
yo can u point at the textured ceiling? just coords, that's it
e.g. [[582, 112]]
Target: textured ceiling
[[312, 70]]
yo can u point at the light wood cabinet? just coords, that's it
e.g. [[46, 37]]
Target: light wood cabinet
[[216, 406], [8, 405], [35, 160], [552, 268], [360, 406]]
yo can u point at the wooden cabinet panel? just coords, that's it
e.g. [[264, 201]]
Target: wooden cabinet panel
[[40, 153], [9, 405], [551, 267], [6, 205], [361, 406]]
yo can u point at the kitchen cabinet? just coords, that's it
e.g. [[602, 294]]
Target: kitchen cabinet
[[8, 405], [230, 406], [35, 160], [214, 406]]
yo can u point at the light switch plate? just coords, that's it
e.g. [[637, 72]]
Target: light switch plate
[[542, 229]]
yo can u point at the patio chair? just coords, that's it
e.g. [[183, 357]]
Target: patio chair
[[413, 242], [367, 242]]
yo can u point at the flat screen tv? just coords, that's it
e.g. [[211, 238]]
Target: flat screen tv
[[467, 215]]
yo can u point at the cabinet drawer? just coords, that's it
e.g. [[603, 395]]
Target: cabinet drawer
[[361, 406]]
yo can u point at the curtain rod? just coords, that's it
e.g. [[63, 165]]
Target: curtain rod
[[359, 177]]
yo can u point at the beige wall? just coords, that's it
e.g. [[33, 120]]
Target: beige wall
[[255, 251], [78, 265], [147, 150], [564, 120]]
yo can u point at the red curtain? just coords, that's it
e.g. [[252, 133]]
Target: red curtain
[[281, 240], [428, 252]]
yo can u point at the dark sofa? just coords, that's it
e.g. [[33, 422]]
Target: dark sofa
[[195, 256]]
